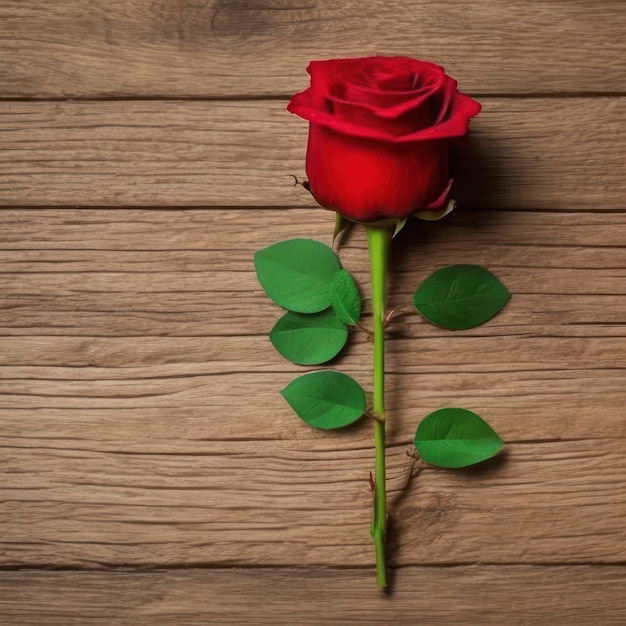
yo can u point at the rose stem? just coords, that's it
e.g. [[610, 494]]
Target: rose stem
[[379, 243]]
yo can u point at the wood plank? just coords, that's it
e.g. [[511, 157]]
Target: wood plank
[[467, 596], [294, 503], [100, 326], [115, 406], [245, 153], [123, 310], [147, 48], [521, 405]]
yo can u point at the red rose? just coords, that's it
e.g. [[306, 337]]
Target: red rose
[[379, 134]]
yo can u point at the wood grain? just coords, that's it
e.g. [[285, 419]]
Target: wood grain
[[220, 48], [41, 402], [294, 503], [119, 318], [526, 153], [463, 596], [141, 425]]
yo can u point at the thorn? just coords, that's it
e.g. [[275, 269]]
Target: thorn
[[372, 483]]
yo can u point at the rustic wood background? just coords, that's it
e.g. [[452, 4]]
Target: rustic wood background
[[151, 472]]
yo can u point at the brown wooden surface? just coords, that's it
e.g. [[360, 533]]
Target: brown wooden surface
[[538, 153], [150, 472], [469, 595], [209, 48]]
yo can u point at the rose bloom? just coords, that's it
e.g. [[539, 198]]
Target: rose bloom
[[380, 130]]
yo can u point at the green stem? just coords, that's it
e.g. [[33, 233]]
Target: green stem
[[379, 243]]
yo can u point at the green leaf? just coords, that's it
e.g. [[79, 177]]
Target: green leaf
[[455, 438], [345, 298], [460, 297], [296, 274], [326, 399], [309, 339]]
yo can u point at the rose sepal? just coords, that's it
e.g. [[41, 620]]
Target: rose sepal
[[341, 223], [433, 216]]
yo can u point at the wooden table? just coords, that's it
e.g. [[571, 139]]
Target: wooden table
[[151, 473]]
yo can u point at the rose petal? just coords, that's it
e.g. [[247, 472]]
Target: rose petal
[[441, 200], [369, 180], [321, 104], [454, 127], [379, 119], [391, 104]]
